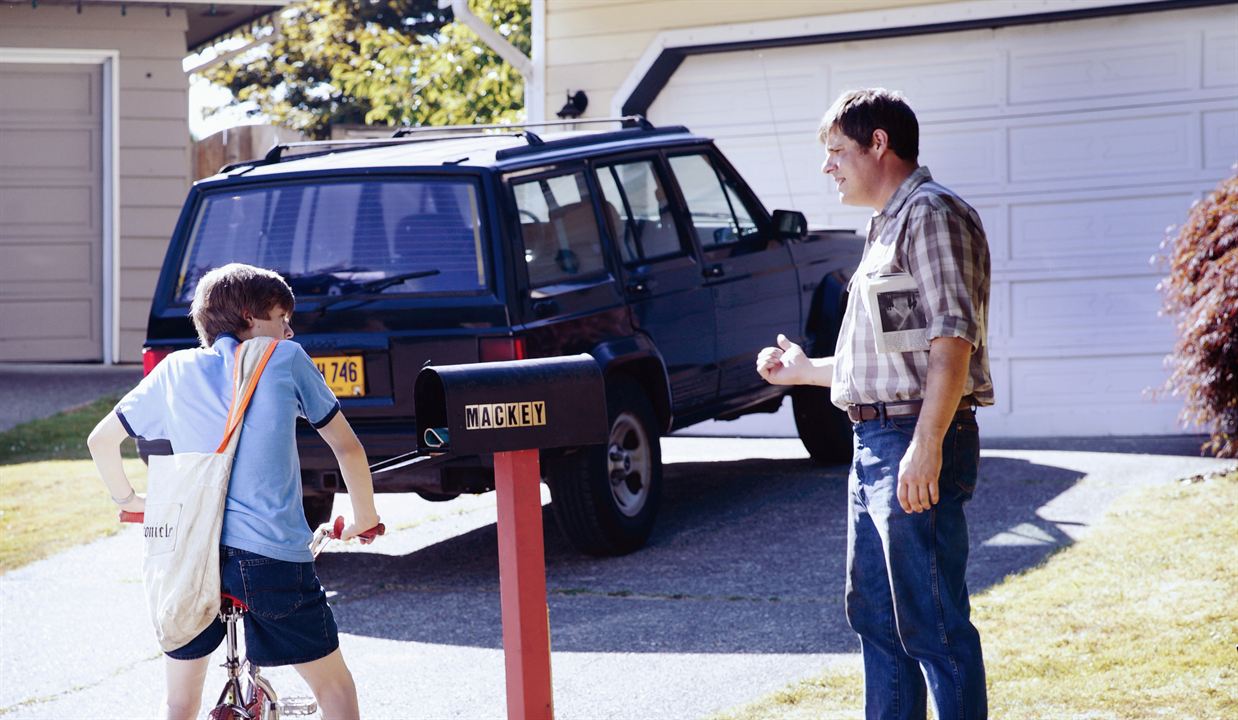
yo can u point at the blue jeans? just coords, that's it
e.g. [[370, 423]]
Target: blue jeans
[[906, 587]]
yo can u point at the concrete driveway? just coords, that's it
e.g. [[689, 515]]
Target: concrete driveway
[[738, 593]]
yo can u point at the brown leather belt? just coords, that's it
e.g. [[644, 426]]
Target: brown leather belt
[[874, 411]]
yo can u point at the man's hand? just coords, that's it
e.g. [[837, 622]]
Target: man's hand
[[784, 365], [918, 473]]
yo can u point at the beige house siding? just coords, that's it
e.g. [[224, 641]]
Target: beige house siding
[[591, 45], [154, 143]]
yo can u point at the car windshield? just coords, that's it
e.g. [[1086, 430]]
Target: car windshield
[[340, 237]]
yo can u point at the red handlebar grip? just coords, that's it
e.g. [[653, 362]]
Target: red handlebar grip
[[131, 517], [368, 536], [365, 537]]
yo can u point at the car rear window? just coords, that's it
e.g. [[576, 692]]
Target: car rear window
[[331, 238]]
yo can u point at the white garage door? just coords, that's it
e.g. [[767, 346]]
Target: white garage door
[[1079, 143], [51, 237]]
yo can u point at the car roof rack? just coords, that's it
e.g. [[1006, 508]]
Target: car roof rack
[[629, 120], [276, 153], [434, 132]]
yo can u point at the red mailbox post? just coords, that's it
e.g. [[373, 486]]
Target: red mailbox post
[[513, 409], [522, 586]]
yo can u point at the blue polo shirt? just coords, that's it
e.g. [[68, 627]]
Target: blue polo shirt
[[185, 401]]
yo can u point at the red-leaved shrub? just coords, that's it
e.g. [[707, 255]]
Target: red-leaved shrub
[[1201, 292]]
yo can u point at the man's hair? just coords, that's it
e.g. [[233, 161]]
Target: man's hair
[[226, 295], [857, 113]]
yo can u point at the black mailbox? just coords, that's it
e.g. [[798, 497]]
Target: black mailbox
[[511, 405]]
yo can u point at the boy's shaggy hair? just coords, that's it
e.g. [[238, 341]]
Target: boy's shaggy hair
[[859, 112], [228, 295]]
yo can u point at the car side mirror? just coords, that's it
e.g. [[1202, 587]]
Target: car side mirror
[[790, 224]]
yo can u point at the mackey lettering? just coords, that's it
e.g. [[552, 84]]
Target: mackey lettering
[[498, 416]]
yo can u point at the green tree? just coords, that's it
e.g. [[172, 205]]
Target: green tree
[[393, 62]]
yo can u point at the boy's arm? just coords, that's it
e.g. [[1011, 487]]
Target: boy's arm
[[355, 468], [104, 443]]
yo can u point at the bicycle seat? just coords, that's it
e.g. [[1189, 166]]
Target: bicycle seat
[[228, 602]]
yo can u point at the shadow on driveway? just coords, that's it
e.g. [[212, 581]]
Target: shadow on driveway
[[747, 557]]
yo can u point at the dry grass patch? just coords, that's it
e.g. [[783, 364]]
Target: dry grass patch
[[1138, 620]]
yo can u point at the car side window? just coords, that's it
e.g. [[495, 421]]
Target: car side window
[[718, 214], [637, 212], [559, 229]]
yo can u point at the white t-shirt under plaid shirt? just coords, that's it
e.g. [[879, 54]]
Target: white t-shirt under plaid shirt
[[929, 233]]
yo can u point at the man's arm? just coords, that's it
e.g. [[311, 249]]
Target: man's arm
[[920, 468], [356, 471], [787, 364], [104, 443]]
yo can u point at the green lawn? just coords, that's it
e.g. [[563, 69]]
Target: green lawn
[[51, 497], [1138, 620]]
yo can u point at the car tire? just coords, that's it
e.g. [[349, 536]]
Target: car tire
[[822, 427], [605, 498], [318, 509]]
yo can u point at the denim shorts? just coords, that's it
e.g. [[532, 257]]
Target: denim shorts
[[288, 621]]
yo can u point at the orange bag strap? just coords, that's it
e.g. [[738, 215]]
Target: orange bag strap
[[236, 412]]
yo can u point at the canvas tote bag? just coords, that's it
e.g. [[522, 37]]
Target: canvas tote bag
[[185, 500]]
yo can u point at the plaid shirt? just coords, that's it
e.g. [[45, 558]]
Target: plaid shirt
[[930, 233]]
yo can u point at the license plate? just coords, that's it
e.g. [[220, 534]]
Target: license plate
[[345, 374]]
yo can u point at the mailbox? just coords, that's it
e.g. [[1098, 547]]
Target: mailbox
[[511, 405]]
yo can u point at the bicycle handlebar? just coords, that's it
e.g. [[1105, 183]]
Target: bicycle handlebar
[[366, 537], [131, 517]]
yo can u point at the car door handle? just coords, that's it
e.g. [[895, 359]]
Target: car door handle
[[715, 271], [637, 287], [545, 308]]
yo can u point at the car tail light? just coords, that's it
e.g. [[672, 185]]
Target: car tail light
[[500, 348], [152, 357]]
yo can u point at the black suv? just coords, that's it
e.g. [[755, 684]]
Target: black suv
[[641, 246]]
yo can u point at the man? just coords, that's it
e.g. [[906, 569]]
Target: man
[[916, 440]]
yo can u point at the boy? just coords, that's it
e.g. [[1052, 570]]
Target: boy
[[264, 554]]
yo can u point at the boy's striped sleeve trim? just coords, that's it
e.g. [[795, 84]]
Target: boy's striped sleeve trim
[[330, 416]]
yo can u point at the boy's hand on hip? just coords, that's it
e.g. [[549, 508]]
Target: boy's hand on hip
[[918, 474]]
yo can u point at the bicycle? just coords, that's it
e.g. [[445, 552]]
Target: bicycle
[[247, 695]]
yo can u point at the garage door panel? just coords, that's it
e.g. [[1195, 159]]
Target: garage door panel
[[1221, 58], [57, 92], [969, 155], [962, 82], [1113, 232], [47, 320], [999, 317], [1137, 68], [43, 263], [1086, 316], [51, 151], [1104, 147], [994, 218], [795, 98], [1087, 396], [48, 208], [1220, 139]]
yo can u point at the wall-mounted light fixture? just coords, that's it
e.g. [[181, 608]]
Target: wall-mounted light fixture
[[575, 105]]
